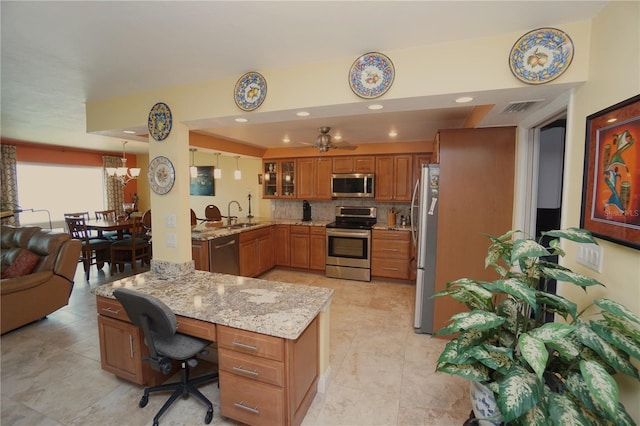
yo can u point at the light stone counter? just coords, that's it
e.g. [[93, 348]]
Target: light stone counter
[[208, 230], [267, 307]]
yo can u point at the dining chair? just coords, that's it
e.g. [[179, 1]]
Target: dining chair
[[95, 251], [111, 216], [212, 213], [130, 250], [86, 217], [194, 218]]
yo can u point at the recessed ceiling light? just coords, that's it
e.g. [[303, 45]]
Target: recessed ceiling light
[[464, 99], [612, 120], [286, 139], [241, 120], [129, 132], [375, 107], [337, 137], [302, 114], [393, 133]]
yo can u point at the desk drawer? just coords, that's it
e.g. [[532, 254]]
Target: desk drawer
[[251, 367], [197, 328], [111, 308], [251, 343], [250, 401]]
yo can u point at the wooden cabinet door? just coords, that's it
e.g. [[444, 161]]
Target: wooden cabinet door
[[418, 161], [384, 178], [248, 260], [264, 253], [323, 179], [200, 254], [317, 248], [300, 247], [120, 349], [354, 164], [342, 164], [306, 178], [403, 176], [282, 244], [364, 164]]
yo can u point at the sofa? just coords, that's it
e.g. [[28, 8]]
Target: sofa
[[38, 269]]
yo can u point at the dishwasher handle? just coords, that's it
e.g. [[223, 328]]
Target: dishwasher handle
[[227, 244]]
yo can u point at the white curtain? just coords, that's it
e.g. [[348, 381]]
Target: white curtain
[[114, 191]]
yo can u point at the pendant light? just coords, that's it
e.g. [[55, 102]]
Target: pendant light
[[217, 172], [237, 175], [193, 170], [122, 173]]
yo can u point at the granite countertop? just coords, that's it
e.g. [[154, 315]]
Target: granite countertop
[[386, 227], [209, 230], [266, 307]]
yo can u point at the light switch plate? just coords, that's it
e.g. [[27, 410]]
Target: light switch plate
[[171, 220], [172, 241], [590, 255]]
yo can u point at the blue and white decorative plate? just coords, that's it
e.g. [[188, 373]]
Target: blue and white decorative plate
[[250, 91], [541, 55], [371, 75], [161, 175], [160, 121]]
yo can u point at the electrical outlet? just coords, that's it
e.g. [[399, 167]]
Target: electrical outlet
[[590, 255], [172, 241]]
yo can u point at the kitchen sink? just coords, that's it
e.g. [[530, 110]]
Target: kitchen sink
[[242, 225]]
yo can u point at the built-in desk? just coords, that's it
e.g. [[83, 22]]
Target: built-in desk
[[272, 339]]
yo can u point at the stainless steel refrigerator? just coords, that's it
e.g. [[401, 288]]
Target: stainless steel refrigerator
[[424, 214]]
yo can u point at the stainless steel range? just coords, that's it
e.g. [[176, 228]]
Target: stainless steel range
[[349, 243]]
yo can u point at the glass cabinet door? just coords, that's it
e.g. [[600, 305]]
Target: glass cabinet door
[[270, 176], [287, 178]]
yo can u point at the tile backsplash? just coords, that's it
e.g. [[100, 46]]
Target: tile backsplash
[[325, 210]]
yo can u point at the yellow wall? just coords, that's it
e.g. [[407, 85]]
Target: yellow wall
[[614, 75]]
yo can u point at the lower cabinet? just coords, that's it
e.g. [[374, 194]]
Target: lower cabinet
[[200, 254], [281, 238], [317, 248], [299, 246], [266, 380], [256, 256], [390, 254]]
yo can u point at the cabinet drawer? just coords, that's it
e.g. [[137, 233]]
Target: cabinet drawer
[[251, 367], [251, 343], [257, 233], [250, 401], [193, 327], [111, 308], [300, 229], [382, 234], [317, 230], [390, 249], [391, 268]]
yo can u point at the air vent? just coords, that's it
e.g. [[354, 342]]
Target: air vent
[[519, 106]]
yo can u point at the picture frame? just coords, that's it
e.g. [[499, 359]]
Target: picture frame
[[611, 181], [204, 183]]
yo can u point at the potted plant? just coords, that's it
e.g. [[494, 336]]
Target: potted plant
[[540, 372]]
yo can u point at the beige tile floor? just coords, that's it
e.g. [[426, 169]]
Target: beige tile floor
[[382, 373]]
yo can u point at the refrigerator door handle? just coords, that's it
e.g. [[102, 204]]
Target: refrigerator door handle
[[413, 205]]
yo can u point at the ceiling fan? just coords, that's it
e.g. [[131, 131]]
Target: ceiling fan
[[324, 141]]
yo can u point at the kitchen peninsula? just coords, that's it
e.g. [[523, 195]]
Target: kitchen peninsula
[[272, 338]]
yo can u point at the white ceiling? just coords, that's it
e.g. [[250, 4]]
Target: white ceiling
[[55, 56]]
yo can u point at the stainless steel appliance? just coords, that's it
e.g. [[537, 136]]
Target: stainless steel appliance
[[353, 185], [425, 199], [224, 255], [349, 243]]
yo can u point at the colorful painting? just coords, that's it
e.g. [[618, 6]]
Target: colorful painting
[[611, 203], [203, 183]]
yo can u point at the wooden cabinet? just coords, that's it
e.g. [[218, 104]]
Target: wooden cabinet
[[390, 254], [418, 161], [255, 252], [317, 248], [266, 380], [279, 178], [354, 164], [281, 245], [314, 178], [299, 246], [394, 177], [200, 254]]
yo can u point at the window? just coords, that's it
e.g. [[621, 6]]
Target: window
[[58, 189]]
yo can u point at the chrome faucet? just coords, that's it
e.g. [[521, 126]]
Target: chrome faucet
[[229, 211]]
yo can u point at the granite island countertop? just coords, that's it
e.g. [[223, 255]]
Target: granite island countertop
[[266, 307], [211, 230]]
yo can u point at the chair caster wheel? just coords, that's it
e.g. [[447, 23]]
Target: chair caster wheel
[[155, 423], [143, 401], [208, 417]]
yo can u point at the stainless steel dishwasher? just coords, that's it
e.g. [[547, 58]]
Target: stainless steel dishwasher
[[224, 255]]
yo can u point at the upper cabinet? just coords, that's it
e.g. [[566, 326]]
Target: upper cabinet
[[314, 178], [354, 164], [279, 178], [394, 177]]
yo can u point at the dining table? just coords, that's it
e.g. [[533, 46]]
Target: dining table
[[101, 225]]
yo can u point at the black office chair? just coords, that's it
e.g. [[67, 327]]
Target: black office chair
[[158, 324]]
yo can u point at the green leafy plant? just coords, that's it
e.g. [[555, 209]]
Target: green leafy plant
[[540, 372]]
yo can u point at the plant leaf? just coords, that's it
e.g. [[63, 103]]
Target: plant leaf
[[623, 325], [619, 340], [508, 309], [534, 352], [450, 354], [475, 372], [552, 331], [498, 359], [515, 288], [476, 320], [602, 386], [526, 249], [520, 391], [572, 277], [566, 348], [561, 305], [606, 352], [617, 309], [564, 411], [572, 234]]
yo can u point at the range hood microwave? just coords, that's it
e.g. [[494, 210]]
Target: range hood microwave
[[352, 185]]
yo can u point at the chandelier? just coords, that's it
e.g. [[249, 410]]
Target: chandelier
[[122, 173]]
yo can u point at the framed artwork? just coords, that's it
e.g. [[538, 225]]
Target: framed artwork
[[203, 183], [611, 186]]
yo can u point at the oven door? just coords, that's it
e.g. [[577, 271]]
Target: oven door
[[349, 247]]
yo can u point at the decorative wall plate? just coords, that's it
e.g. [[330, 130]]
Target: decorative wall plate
[[250, 91], [160, 121], [161, 175], [541, 55], [371, 75]]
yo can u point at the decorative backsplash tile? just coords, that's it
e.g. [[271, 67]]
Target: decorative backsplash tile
[[325, 210]]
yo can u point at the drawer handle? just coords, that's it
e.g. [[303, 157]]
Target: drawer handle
[[245, 371], [390, 269], [111, 311], [244, 407], [245, 346], [390, 249]]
